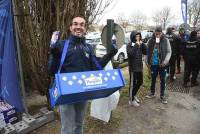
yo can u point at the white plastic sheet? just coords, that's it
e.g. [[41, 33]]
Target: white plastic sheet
[[102, 108]]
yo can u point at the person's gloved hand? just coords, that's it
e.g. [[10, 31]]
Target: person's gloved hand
[[113, 49], [54, 38]]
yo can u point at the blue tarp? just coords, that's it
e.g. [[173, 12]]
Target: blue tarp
[[9, 77]]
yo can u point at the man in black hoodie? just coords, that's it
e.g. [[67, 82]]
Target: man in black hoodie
[[79, 58], [135, 49], [190, 55]]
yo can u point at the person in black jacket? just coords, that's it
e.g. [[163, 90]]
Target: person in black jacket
[[190, 55], [174, 42], [135, 50], [78, 59]]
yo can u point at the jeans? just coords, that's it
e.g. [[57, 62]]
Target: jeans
[[72, 118], [155, 69], [178, 61]]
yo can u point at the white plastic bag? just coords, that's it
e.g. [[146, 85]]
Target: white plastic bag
[[102, 108]]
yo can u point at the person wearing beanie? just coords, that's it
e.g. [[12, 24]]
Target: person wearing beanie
[[158, 56], [135, 49], [190, 55]]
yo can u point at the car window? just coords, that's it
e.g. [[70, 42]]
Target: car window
[[98, 40]]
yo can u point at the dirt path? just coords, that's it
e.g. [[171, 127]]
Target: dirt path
[[180, 116]]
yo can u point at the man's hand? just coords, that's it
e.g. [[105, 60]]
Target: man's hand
[[162, 65], [55, 36], [114, 49], [139, 42]]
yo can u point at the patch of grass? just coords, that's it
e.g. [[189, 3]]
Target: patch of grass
[[95, 126], [147, 78]]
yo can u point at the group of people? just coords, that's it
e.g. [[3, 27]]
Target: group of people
[[161, 53]]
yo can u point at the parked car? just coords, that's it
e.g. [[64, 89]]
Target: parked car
[[100, 50], [121, 55], [146, 35]]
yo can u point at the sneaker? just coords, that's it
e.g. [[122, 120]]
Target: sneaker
[[163, 100], [136, 99], [150, 96], [135, 103], [130, 102]]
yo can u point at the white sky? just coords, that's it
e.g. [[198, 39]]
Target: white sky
[[148, 7]]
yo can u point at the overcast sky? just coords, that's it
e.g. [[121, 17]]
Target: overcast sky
[[148, 7]]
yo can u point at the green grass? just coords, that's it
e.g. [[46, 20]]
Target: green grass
[[147, 79]]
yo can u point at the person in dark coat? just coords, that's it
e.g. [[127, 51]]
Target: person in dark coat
[[190, 55], [135, 49], [183, 37], [174, 43]]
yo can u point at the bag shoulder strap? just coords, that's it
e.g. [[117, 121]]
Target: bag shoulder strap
[[64, 53]]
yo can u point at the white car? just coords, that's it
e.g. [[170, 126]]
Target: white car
[[100, 50]]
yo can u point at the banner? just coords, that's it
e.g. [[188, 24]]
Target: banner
[[184, 10], [9, 77]]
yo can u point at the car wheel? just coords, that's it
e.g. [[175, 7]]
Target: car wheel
[[121, 58]]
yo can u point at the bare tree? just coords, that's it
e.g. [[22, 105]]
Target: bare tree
[[163, 17], [139, 20], [157, 18], [122, 20], [194, 12], [96, 9], [36, 20]]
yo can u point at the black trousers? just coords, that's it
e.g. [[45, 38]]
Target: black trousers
[[136, 80], [172, 65], [191, 67], [178, 62]]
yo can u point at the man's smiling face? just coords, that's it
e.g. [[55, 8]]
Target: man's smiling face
[[78, 27]]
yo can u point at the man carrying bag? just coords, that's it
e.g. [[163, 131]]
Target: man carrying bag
[[79, 58]]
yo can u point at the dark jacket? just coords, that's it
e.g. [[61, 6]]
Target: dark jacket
[[135, 52], [192, 49], [164, 49], [78, 58], [174, 43]]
